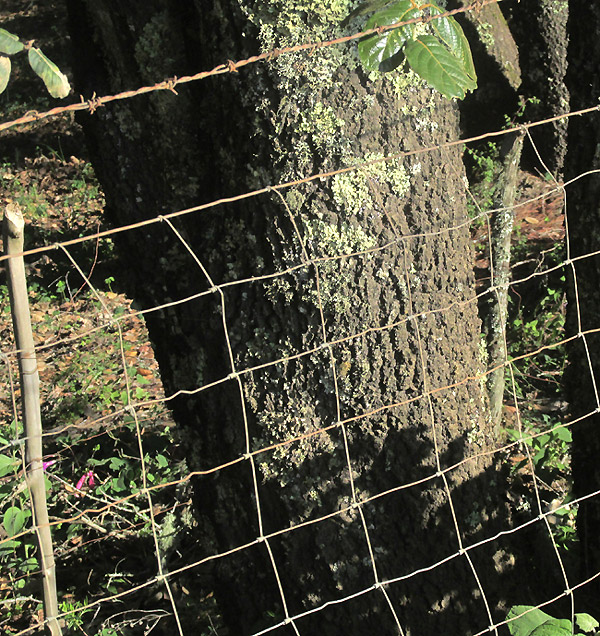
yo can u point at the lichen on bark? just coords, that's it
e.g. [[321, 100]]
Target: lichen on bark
[[391, 252]]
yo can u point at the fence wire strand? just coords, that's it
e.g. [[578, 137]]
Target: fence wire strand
[[91, 516]]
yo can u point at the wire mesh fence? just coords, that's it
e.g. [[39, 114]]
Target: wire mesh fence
[[116, 468]]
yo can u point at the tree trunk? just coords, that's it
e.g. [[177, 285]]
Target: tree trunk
[[583, 214], [501, 222], [540, 30], [354, 359]]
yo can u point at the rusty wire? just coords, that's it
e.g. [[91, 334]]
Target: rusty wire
[[93, 103]]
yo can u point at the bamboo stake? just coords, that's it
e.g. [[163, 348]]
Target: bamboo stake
[[13, 228]]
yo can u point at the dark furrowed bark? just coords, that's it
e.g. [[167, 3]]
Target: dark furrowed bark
[[583, 213], [270, 123]]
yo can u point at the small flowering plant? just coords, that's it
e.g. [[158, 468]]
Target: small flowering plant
[[47, 464], [87, 480]]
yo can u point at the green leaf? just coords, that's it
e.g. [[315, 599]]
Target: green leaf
[[564, 434], [540, 456], [162, 461], [383, 52], [542, 440], [118, 483], [4, 72], [13, 521], [7, 465], [586, 623], [449, 31], [365, 7], [9, 43], [116, 463], [536, 623], [56, 82], [554, 627], [8, 546], [435, 63]]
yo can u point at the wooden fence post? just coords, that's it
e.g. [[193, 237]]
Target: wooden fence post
[[13, 227]]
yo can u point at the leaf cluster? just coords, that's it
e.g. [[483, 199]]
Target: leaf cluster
[[56, 82], [530, 621], [439, 53]]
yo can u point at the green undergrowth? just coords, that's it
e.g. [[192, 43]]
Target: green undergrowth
[[94, 362], [61, 200], [482, 162], [535, 331], [108, 435], [535, 406]]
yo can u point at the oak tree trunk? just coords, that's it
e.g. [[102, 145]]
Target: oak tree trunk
[[540, 30], [583, 215], [353, 350]]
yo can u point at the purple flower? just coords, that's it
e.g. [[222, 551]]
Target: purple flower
[[87, 479]]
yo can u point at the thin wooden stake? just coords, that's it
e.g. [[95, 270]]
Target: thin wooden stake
[[13, 228]]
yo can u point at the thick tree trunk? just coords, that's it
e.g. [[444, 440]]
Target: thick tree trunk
[[583, 214], [272, 122], [540, 30]]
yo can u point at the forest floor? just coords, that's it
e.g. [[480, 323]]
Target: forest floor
[[90, 369], [94, 357]]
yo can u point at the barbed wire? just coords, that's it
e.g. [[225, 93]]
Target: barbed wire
[[230, 67]]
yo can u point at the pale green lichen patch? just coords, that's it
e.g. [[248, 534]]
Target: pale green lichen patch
[[283, 23], [555, 7], [351, 190], [331, 239], [404, 81], [262, 348], [486, 33], [280, 290], [324, 128], [282, 422], [299, 79], [295, 199], [286, 22]]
